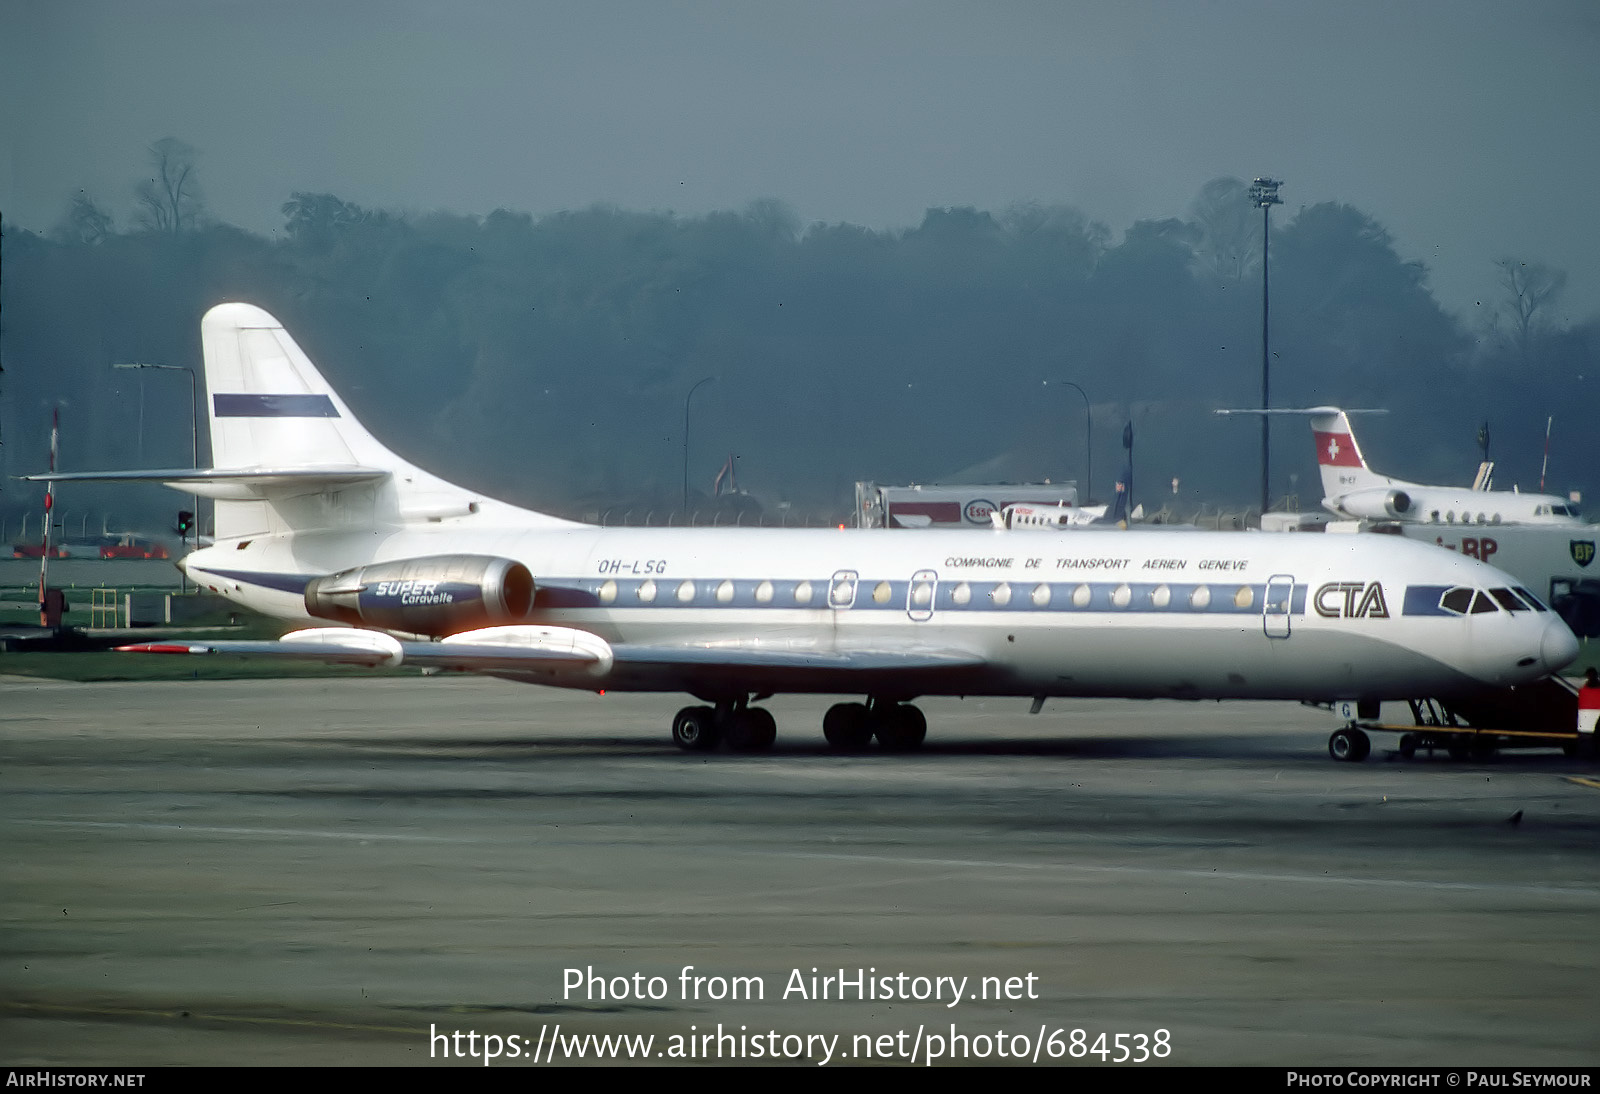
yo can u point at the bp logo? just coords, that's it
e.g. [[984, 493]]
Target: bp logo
[[978, 510], [1583, 551]]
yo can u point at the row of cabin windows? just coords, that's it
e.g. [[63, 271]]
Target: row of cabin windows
[[922, 594]]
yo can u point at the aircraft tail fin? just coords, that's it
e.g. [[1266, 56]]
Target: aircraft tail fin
[[287, 453], [1344, 469]]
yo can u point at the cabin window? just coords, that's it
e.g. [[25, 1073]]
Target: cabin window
[[1121, 596], [725, 592], [608, 592], [1081, 596], [1041, 595], [1161, 596], [1200, 599], [961, 594], [881, 593], [647, 592], [1245, 597], [1001, 595], [802, 593], [685, 592], [764, 593]]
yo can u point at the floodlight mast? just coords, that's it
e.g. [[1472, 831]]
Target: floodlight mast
[[1264, 195]]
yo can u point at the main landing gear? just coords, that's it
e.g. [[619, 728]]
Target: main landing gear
[[849, 727], [744, 727]]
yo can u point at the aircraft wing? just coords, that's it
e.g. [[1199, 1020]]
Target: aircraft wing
[[565, 652]]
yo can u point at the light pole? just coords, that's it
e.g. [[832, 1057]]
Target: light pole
[[194, 444], [1088, 443], [700, 384], [1264, 194]]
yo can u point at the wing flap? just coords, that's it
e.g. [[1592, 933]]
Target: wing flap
[[558, 651]]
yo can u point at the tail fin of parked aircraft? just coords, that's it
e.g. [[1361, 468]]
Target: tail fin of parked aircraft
[[272, 411], [289, 456], [1344, 469]]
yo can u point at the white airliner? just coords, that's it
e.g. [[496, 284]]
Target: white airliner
[[319, 522], [1352, 489]]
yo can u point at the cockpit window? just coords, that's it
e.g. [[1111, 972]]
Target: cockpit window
[[1456, 601], [1482, 603], [1564, 510], [1508, 600], [1538, 605]]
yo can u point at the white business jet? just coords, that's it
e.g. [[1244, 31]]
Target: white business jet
[[1352, 489], [318, 522]]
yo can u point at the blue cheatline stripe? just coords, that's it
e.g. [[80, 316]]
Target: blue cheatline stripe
[[286, 583], [1118, 597], [1424, 600], [241, 405], [1061, 597]]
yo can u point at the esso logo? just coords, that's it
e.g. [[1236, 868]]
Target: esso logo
[[978, 511]]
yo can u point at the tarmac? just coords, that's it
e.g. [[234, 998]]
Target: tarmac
[[353, 871]]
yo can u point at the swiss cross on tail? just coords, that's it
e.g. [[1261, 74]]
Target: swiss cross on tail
[[1337, 450]]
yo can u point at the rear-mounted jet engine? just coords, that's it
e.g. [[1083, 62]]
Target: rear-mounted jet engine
[[1376, 504], [436, 596]]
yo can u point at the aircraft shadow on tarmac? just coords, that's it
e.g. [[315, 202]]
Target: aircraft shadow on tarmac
[[1309, 749]]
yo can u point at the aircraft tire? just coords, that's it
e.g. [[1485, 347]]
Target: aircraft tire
[[848, 727], [752, 729], [1349, 745], [1408, 745], [900, 728], [695, 729]]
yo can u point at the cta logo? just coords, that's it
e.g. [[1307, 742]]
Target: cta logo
[[978, 510], [1350, 600]]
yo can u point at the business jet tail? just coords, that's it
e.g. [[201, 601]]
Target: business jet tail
[[1344, 469]]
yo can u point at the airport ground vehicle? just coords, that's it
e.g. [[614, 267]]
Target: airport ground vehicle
[[1551, 713]]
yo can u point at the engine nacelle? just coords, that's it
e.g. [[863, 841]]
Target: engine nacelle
[[1377, 504], [440, 595]]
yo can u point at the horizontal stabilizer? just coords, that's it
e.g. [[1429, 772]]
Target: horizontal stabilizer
[[1303, 410], [233, 484]]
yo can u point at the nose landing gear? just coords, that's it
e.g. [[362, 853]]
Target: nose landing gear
[[1349, 744]]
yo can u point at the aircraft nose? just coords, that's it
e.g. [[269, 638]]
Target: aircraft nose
[[1558, 647]]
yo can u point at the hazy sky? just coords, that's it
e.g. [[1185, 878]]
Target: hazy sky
[[1468, 127]]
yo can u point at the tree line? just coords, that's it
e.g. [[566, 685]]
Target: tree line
[[546, 359]]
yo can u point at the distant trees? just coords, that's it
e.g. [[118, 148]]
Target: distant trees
[[84, 222], [1229, 241], [1529, 288], [545, 358], [170, 202]]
